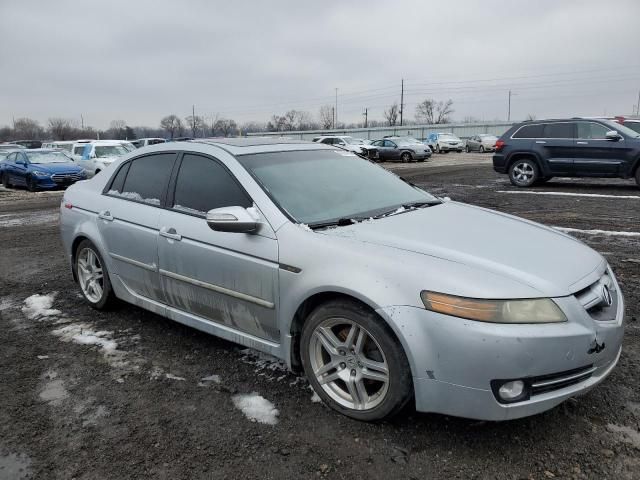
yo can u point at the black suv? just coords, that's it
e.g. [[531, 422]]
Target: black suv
[[534, 152]]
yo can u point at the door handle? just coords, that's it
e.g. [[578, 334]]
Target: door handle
[[582, 143], [540, 141], [170, 233], [105, 215]]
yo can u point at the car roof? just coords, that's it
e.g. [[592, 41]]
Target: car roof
[[247, 145]]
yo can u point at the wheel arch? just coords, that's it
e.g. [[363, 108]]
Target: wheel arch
[[524, 154], [316, 299]]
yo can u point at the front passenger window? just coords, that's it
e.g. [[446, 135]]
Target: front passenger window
[[204, 184]]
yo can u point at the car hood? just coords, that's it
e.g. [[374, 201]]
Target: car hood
[[552, 263], [107, 159], [56, 167]]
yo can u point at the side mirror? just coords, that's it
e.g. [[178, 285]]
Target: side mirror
[[613, 135], [232, 219]]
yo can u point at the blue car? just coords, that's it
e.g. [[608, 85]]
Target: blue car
[[39, 168]]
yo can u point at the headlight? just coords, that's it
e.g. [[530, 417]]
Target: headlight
[[41, 174], [538, 310]]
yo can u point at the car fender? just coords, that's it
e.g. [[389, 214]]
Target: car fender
[[541, 165]]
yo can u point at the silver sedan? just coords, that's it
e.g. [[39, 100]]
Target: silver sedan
[[481, 143], [377, 290]]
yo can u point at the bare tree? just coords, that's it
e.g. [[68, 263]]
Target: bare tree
[[27, 128], [431, 112], [276, 124], [290, 119], [530, 117], [444, 110], [61, 128], [326, 117], [391, 114], [172, 124], [196, 123], [225, 127]]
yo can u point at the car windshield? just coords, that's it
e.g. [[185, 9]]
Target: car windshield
[[353, 141], [488, 137], [110, 151], [320, 186], [129, 147], [448, 136], [47, 157], [621, 129]]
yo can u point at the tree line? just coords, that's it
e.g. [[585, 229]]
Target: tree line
[[428, 111]]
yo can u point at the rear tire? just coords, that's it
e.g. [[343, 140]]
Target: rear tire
[[5, 180], [93, 276], [467, 149], [524, 172], [438, 148], [638, 176], [364, 370]]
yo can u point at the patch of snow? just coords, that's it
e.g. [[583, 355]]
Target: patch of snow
[[568, 194], [399, 210], [188, 210], [315, 398], [171, 376], [257, 408], [598, 232], [305, 227], [54, 392], [205, 381], [81, 333], [134, 196], [263, 361], [42, 357], [626, 434], [15, 220], [38, 306]]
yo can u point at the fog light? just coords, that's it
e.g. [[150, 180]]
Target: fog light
[[511, 390]]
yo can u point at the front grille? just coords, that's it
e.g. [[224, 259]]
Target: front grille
[[65, 177], [556, 381], [594, 300]]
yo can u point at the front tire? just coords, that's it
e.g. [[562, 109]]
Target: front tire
[[354, 362], [467, 149], [438, 148], [481, 149], [405, 157], [524, 172], [31, 184], [93, 276]]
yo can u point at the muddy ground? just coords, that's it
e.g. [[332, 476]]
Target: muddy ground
[[132, 403]]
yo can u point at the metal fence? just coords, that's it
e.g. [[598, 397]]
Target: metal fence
[[462, 130]]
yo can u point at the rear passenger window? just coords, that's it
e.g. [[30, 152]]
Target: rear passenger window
[[118, 180], [203, 184], [559, 130], [529, 131], [146, 179]]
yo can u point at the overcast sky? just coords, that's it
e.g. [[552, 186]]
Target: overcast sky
[[140, 60]]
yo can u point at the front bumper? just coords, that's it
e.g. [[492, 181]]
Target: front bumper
[[449, 148], [454, 360], [57, 181]]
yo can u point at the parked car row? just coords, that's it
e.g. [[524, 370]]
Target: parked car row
[[39, 168]]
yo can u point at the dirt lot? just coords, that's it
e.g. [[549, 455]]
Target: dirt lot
[[132, 403]]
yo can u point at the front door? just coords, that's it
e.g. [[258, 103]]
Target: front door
[[227, 278], [128, 221], [595, 154]]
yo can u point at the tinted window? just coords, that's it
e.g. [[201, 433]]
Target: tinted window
[[118, 180], [591, 130], [559, 130], [203, 184], [635, 126], [388, 143], [147, 178], [529, 131], [328, 141]]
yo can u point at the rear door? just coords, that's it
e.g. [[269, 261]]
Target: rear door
[[595, 155], [226, 278], [557, 144], [128, 221]]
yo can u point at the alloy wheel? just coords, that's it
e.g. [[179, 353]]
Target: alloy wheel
[[349, 364], [90, 275], [523, 173], [481, 149]]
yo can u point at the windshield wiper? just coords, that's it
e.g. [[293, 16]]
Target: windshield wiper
[[407, 207], [340, 222]]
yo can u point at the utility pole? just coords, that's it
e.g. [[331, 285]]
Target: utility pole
[[366, 117], [401, 100], [333, 114], [82, 121], [335, 118], [638, 107], [193, 120], [509, 110]]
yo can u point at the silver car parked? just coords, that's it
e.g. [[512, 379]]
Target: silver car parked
[[377, 290], [483, 142]]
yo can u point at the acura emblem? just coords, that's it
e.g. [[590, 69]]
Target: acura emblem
[[606, 295]]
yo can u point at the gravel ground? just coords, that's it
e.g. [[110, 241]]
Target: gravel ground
[[130, 400]]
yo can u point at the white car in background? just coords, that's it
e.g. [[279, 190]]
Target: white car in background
[[355, 145], [143, 142], [444, 142], [98, 155]]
